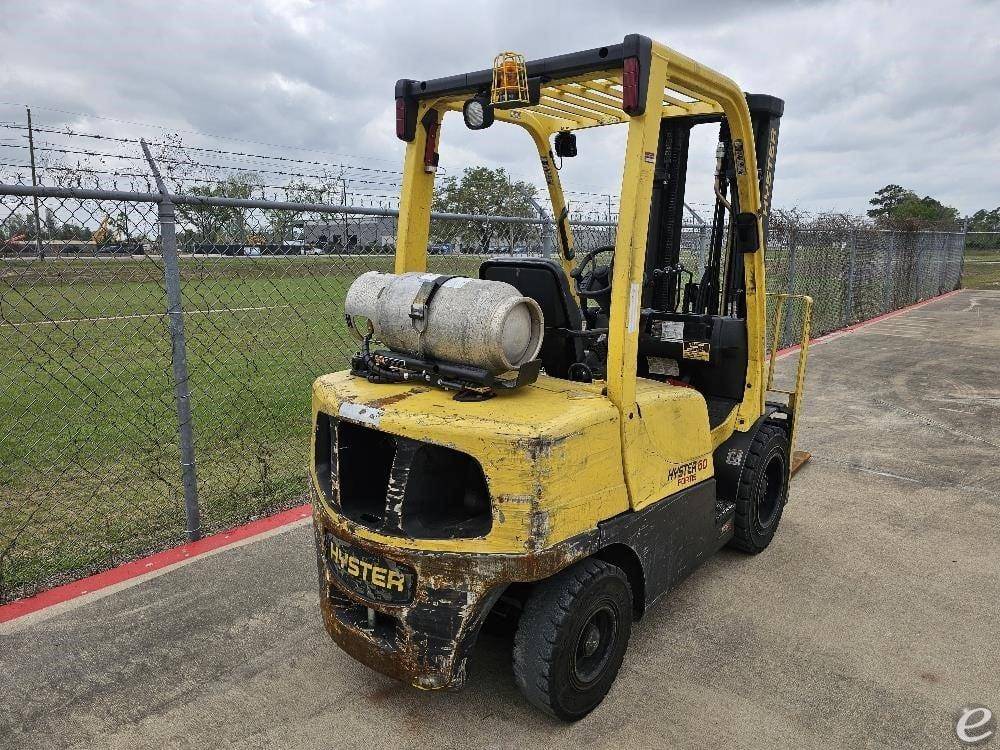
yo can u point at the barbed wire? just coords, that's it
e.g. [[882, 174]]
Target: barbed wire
[[190, 131], [272, 175]]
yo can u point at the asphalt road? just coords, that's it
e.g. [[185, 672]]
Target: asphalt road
[[873, 616]]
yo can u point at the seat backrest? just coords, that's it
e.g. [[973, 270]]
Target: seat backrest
[[544, 281]]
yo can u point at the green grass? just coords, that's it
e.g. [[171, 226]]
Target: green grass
[[89, 463], [982, 253], [982, 262], [982, 268]]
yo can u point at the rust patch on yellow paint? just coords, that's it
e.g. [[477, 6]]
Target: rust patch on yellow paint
[[396, 398]]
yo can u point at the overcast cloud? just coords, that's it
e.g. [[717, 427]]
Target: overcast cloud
[[875, 92]]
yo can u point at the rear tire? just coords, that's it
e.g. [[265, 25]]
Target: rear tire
[[572, 637], [763, 490]]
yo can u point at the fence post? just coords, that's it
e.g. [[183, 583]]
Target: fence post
[[34, 183], [546, 225], [788, 332], [961, 257], [889, 281], [915, 282], [704, 239], [849, 295], [942, 254], [175, 320]]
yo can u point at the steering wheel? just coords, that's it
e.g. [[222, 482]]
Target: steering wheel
[[581, 275]]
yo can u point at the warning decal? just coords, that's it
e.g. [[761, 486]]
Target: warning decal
[[697, 350], [667, 330]]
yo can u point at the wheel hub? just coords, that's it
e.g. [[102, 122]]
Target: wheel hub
[[595, 644], [592, 639]]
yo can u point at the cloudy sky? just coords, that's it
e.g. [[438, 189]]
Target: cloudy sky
[[876, 92]]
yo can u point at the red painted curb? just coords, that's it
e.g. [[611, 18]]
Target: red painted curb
[[149, 564], [160, 560]]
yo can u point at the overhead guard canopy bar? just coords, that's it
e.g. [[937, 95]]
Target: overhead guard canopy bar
[[576, 90], [556, 68]]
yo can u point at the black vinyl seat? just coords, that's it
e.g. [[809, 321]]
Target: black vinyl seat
[[544, 280]]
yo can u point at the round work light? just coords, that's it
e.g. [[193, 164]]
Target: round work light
[[477, 113]]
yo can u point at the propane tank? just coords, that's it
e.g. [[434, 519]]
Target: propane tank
[[485, 324]]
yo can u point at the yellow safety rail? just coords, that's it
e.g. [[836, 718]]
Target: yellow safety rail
[[795, 395]]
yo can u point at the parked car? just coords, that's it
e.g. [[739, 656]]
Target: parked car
[[297, 247]]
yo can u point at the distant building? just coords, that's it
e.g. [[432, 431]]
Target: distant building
[[350, 234]]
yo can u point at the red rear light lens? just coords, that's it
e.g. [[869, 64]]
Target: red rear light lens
[[630, 85], [401, 118]]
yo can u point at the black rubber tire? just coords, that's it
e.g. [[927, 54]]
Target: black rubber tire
[[763, 490], [556, 630]]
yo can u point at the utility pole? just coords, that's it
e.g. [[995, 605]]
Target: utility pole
[[34, 183]]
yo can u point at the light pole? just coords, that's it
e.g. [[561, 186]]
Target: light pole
[[34, 183]]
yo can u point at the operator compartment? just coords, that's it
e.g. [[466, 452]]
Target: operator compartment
[[706, 352]]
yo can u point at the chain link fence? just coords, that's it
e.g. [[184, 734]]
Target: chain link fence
[[159, 349], [855, 272]]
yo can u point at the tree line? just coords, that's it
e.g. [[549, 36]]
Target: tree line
[[901, 207]]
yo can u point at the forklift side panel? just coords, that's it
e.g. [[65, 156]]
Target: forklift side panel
[[671, 538], [659, 463]]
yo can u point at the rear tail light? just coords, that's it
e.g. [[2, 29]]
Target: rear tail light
[[406, 118], [630, 86], [401, 119]]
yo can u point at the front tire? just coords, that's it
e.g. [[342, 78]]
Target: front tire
[[572, 637], [763, 489]]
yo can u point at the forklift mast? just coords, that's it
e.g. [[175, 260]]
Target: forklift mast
[[666, 215], [720, 288]]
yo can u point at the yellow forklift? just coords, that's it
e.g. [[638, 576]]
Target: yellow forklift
[[553, 446]]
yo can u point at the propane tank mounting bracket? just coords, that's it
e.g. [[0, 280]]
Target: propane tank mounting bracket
[[471, 383], [422, 301]]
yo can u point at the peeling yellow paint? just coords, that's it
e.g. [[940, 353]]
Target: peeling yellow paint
[[551, 452]]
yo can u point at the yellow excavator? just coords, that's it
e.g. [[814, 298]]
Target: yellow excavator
[[554, 445], [103, 233]]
